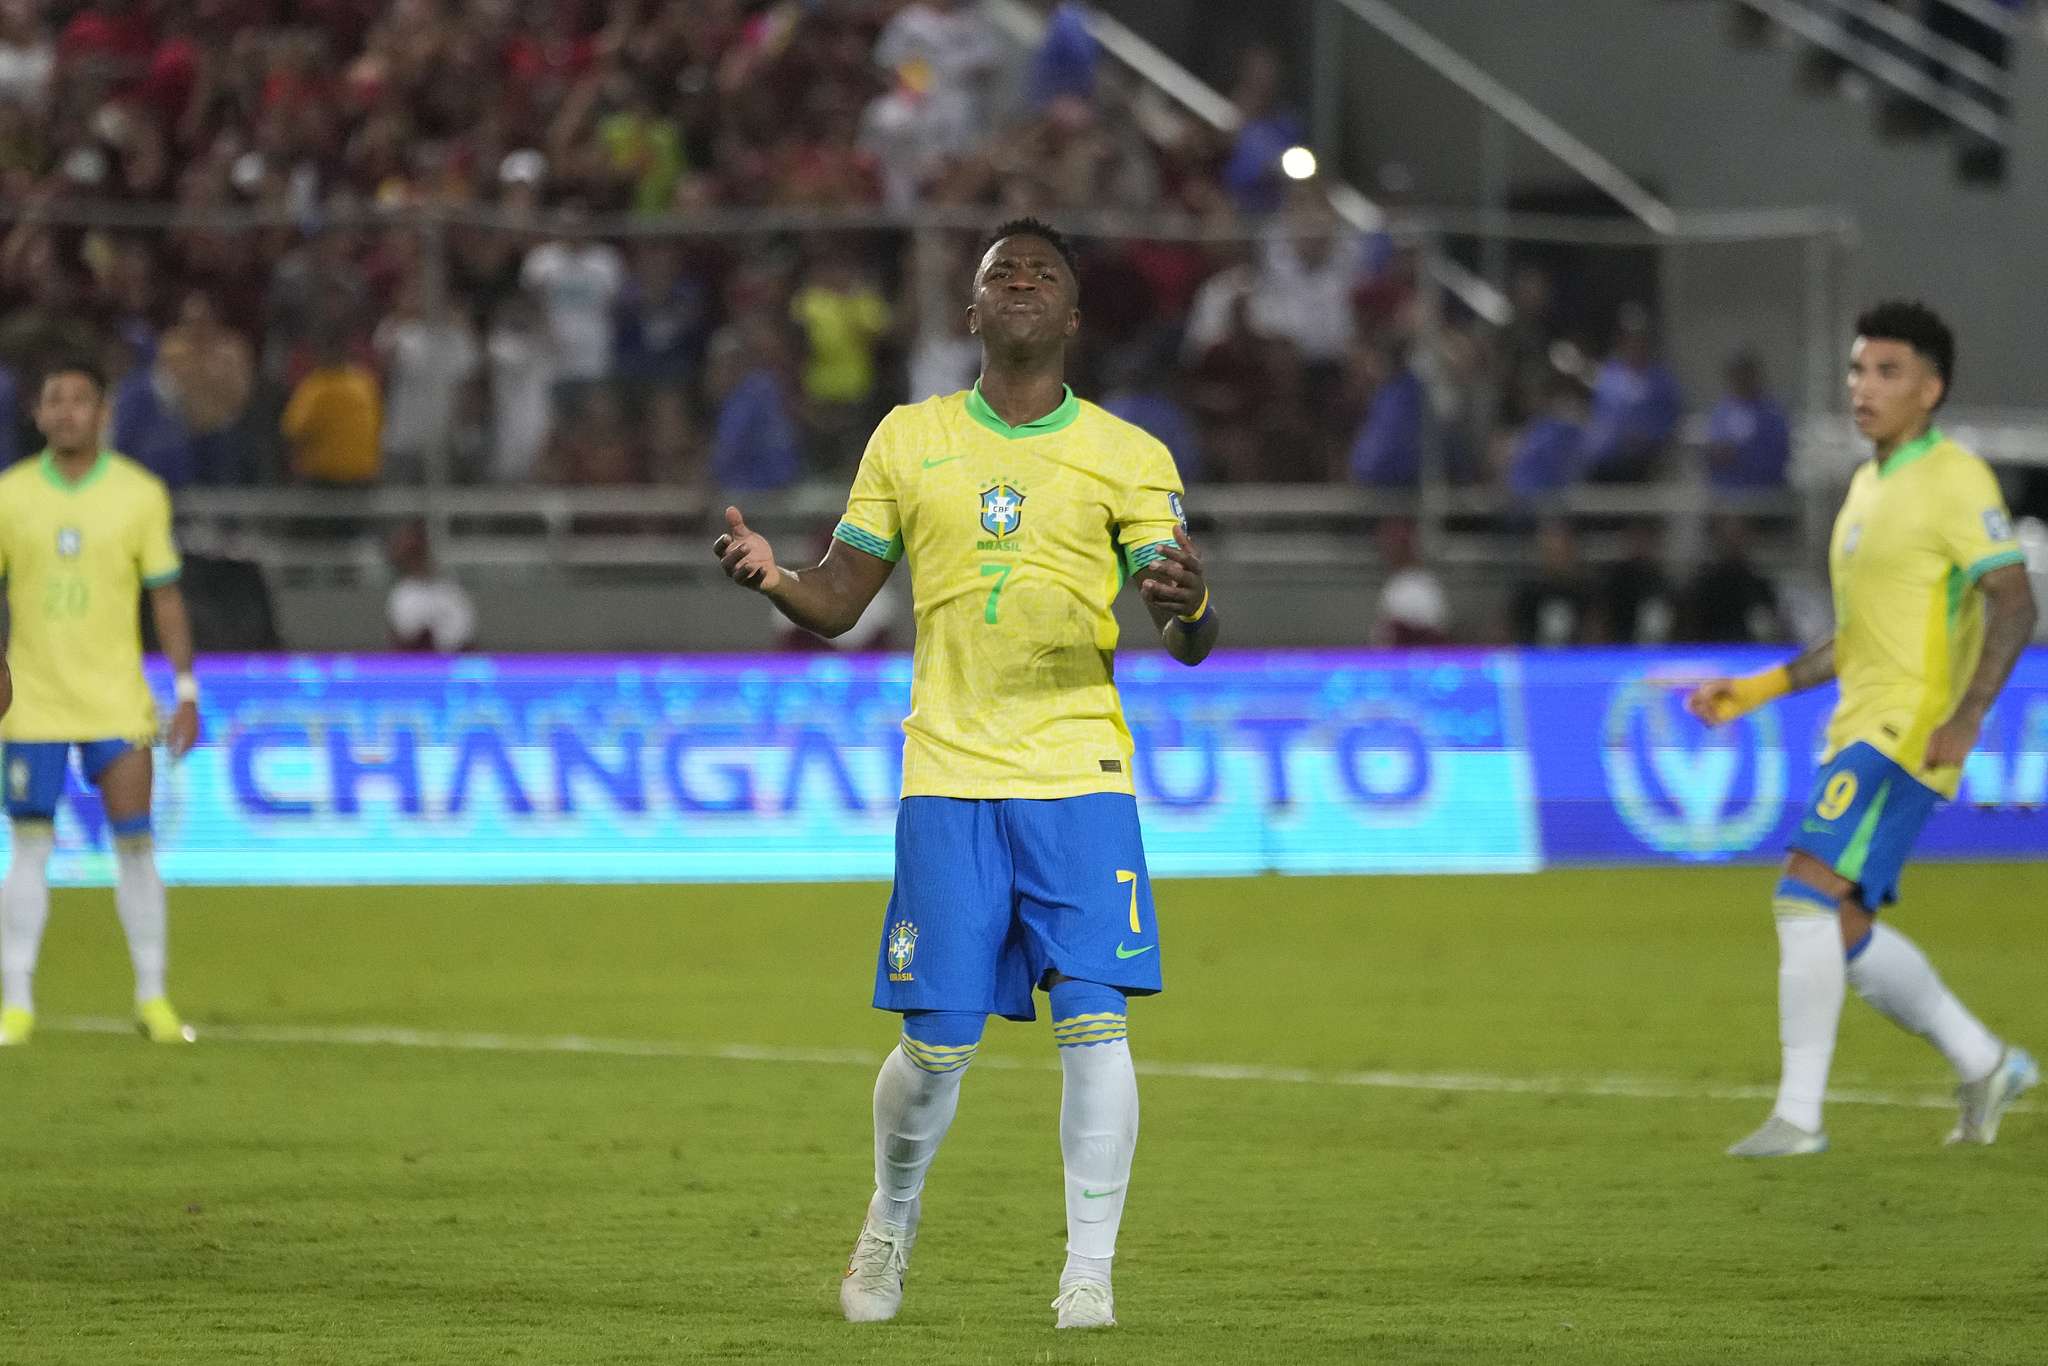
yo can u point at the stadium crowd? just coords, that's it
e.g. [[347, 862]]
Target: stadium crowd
[[325, 347]]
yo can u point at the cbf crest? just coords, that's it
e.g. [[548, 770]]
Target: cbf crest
[[901, 948], [1002, 511]]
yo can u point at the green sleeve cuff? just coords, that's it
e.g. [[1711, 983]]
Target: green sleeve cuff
[[864, 540], [1996, 560], [159, 580], [1143, 555]]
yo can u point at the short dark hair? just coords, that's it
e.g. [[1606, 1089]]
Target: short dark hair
[[1919, 327], [73, 365], [1045, 232]]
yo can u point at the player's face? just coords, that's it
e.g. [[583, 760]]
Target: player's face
[[1024, 294], [70, 412], [1892, 389]]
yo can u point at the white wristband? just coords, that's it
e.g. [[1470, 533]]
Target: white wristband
[[186, 687]]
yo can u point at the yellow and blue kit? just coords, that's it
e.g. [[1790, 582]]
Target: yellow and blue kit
[[1017, 844], [76, 557], [1915, 535]]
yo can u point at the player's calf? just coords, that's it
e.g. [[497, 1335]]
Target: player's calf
[[915, 1098], [1098, 1136]]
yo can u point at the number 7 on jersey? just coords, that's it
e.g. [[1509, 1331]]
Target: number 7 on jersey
[[1002, 573]]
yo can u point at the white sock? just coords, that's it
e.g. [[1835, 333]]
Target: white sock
[[139, 898], [1811, 985], [1098, 1135], [24, 910], [1894, 976], [913, 1110]]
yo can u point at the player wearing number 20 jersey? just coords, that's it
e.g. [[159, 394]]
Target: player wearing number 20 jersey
[[76, 557]]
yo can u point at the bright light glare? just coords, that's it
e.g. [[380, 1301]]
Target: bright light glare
[[1298, 162]]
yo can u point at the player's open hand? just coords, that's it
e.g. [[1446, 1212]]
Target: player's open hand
[[183, 732], [746, 556], [1712, 701], [1951, 742], [1174, 581]]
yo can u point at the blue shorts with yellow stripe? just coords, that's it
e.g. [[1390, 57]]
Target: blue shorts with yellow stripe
[[991, 896], [1862, 820]]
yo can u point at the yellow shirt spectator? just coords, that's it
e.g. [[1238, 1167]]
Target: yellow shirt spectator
[[842, 327], [333, 421]]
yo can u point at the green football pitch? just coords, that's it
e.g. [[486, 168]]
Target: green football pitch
[[1400, 1119]]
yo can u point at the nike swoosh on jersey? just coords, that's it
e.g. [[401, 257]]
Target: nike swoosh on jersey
[[929, 462], [1814, 827], [1122, 952]]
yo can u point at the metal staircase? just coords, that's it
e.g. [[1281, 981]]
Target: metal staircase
[[1935, 68]]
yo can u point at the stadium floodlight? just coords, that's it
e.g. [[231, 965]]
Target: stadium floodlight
[[1299, 163]]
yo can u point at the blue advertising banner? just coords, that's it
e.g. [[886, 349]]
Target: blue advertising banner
[[1624, 775], [389, 769]]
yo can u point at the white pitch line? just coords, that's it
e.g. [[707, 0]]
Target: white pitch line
[[1631, 1088]]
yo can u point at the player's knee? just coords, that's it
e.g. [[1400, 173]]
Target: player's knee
[[34, 838], [942, 1040], [1086, 1013], [1797, 897], [132, 835]]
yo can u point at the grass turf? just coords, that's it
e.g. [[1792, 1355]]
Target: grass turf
[[344, 1203]]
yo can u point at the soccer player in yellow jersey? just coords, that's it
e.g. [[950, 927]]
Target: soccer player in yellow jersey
[[82, 533], [1021, 511], [1932, 608]]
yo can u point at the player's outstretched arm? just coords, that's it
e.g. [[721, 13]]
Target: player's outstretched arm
[[1720, 700], [826, 601], [2008, 626], [1177, 595], [174, 631]]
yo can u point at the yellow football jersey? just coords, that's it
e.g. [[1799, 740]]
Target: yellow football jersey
[[1018, 539], [76, 558], [1913, 538]]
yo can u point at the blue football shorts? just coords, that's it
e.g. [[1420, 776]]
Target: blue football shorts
[[35, 772], [993, 895], [1862, 820]]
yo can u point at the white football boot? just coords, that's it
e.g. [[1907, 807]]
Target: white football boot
[[1984, 1103], [873, 1288], [1085, 1304], [1780, 1138]]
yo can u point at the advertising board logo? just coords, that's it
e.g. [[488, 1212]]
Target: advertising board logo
[[1682, 789]]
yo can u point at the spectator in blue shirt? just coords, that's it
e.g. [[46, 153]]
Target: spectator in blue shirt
[[144, 427], [660, 320], [1065, 62], [757, 443], [1253, 175], [1550, 453], [1749, 440], [1388, 450], [1635, 406], [1138, 394]]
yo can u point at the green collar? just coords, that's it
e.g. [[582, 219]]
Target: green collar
[[48, 464], [1911, 451], [1059, 419]]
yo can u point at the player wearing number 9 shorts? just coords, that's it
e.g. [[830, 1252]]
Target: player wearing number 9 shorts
[[1021, 512], [1932, 609]]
